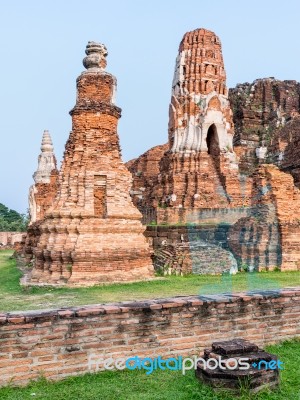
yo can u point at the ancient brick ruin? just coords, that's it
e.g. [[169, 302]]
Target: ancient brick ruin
[[43, 191], [200, 168], [145, 170], [9, 239], [218, 147], [265, 115], [41, 194], [231, 165], [230, 376], [269, 237], [92, 232]]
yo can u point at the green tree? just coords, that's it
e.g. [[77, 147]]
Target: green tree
[[11, 220]]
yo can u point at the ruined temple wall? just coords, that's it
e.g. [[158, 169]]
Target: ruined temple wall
[[268, 237], [286, 198], [72, 341], [8, 239], [261, 110], [161, 235], [42, 195], [145, 170], [284, 148], [196, 249]]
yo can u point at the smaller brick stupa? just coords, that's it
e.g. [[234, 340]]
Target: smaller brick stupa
[[92, 233], [41, 195], [263, 371], [43, 191]]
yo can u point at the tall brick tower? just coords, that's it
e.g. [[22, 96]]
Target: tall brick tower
[[199, 95], [200, 169], [93, 233]]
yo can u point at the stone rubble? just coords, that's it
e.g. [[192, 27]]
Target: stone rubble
[[235, 380]]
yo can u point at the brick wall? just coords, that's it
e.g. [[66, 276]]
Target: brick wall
[[172, 215], [59, 343], [157, 235], [8, 239], [197, 249]]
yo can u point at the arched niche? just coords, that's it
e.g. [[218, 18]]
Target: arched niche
[[214, 103], [212, 141]]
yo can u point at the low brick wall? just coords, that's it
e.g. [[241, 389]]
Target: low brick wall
[[8, 239], [59, 343]]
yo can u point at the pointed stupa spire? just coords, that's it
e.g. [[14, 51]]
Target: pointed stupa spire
[[47, 145], [47, 160]]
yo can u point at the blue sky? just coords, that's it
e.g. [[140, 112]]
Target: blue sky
[[42, 46]]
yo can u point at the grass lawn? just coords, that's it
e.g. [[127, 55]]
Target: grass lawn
[[160, 385], [15, 298]]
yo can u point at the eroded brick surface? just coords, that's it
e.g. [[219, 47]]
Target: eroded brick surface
[[270, 236], [9, 239], [145, 170], [261, 111]]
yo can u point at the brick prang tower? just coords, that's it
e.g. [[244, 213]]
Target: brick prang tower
[[93, 233]]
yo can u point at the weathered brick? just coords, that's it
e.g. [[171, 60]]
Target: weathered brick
[[92, 217]]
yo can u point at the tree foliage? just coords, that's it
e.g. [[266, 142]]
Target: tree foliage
[[11, 220]]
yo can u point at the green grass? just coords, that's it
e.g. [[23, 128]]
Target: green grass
[[15, 298], [160, 385]]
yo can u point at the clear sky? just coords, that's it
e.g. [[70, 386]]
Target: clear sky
[[42, 46]]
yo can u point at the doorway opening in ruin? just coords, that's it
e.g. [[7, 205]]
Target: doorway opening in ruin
[[212, 141], [100, 196], [213, 149]]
